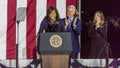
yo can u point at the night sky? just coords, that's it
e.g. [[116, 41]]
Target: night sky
[[110, 8]]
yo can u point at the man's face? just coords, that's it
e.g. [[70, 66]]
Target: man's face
[[70, 12]]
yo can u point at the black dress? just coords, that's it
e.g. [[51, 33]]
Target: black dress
[[98, 41]]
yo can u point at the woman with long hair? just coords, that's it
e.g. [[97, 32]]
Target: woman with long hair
[[51, 22], [97, 33]]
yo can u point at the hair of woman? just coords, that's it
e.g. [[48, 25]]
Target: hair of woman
[[49, 11], [101, 16]]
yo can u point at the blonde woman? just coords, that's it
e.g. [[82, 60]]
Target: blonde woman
[[97, 33]]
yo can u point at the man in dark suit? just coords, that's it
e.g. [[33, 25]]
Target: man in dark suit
[[73, 25]]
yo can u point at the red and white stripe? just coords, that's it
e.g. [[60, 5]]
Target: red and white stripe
[[28, 28]]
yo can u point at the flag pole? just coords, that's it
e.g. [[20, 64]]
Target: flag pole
[[79, 8]]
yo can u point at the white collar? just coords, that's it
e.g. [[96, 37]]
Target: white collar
[[70, 19]]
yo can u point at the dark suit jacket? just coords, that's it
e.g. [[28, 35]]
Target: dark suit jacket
[[75, 32]]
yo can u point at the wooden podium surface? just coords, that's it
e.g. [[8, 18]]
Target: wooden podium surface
[[55, 61]]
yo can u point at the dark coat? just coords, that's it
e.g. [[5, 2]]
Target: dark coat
[[98, 41], [57, 27]]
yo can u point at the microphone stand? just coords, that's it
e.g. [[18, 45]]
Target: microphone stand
[[107, 56], [20, 16], [17, 44], [107, 49]]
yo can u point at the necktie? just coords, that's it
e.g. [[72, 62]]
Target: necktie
[[70, 21]]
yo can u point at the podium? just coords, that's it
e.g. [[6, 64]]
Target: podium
[[55, 49]]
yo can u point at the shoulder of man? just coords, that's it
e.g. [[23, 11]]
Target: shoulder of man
[[78, 20]]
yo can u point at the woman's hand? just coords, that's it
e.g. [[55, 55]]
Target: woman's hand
[[66, 23], [97, 25]]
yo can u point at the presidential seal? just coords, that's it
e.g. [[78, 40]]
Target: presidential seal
[[55, 41]]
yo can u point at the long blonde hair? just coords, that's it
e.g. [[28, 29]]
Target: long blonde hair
[[101, 16]]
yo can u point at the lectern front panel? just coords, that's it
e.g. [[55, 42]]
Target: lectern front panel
[[55, 43]]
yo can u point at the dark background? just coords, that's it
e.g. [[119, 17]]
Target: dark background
[[111, 10]]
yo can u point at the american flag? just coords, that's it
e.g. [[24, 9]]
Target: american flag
[[28, 28]]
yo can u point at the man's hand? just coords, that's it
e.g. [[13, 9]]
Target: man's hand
[[74, 22]]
